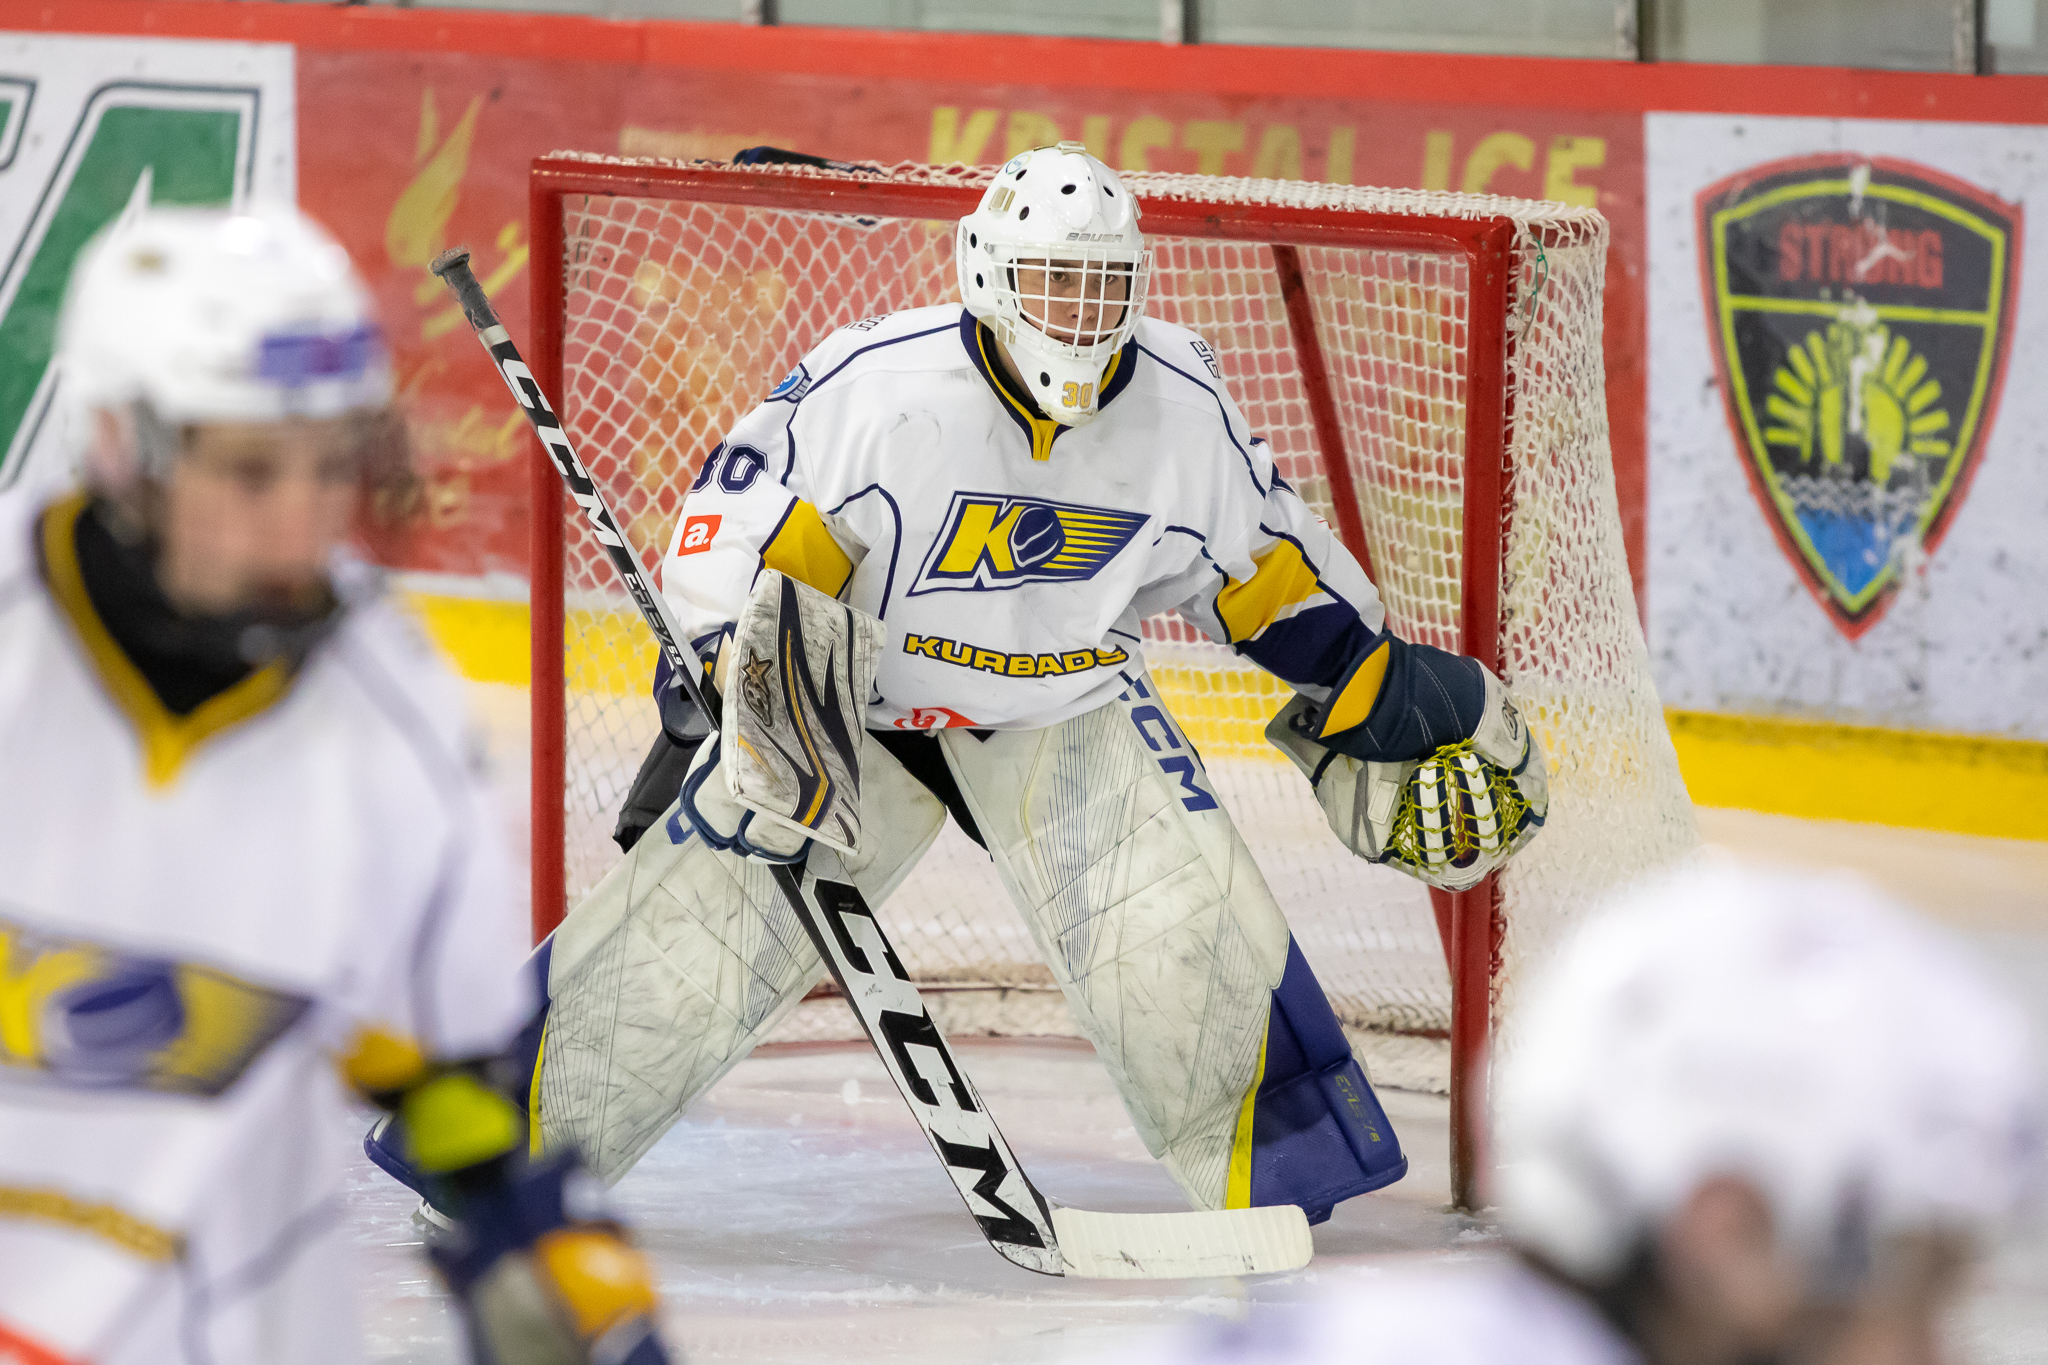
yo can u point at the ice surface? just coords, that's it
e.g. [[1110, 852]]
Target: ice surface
[[796, 1215]]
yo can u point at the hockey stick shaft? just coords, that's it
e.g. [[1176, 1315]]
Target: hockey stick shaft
[[867, 969]]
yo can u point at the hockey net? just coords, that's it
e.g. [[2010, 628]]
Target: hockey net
[[686, 293]]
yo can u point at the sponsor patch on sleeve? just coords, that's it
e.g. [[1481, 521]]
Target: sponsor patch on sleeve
[[698, 533]]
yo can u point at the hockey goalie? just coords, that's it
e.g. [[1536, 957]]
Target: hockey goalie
[[1003, 491]]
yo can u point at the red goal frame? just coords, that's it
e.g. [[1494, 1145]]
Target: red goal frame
[[1468, 921]]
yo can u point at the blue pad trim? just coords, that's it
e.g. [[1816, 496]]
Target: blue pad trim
[[384, 1145], [1319, 1134], [524, 1054]]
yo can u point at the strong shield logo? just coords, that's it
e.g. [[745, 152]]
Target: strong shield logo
[[991, 542], [1859, 311]]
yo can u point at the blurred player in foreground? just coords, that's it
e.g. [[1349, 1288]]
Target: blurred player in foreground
[[1750, 1118], [246, 862]]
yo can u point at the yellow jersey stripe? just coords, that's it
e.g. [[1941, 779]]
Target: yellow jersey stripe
[[802, 548], [1281, 579], [168, 740], [1043, 429], [136, 1236]]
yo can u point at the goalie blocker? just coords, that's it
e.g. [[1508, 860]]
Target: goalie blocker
[[784, 769]]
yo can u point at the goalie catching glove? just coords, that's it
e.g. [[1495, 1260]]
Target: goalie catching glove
[[1441, 779], [784, 768]]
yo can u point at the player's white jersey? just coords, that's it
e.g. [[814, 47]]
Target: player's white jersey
[[1011, 559], [1482, 1312], [196, 915]]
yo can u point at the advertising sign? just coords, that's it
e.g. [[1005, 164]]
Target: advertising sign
[[1861, 309], [1816, 315], [1846, 495], [90, 128]]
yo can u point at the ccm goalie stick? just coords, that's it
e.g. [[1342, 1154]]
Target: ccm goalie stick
[[1018, 1221]]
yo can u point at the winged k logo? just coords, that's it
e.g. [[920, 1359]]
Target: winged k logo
[[1860, 310]]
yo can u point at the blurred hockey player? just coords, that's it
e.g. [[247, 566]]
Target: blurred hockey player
[[1749, 1118], [1011, 487], [247, 863]]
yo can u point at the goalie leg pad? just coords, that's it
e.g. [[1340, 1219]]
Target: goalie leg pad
[[680, 961], [1314, 1134], [662, 979], [1146, 904]]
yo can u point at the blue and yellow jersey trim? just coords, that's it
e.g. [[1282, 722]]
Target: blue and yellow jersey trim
[[1039, 429], [168, 740], [1286, 620], [1281, 580], [802, 548]]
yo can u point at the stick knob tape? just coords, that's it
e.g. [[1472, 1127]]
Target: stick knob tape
[[452, 266]]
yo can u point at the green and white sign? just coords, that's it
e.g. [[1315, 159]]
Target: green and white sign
[[91, 128]]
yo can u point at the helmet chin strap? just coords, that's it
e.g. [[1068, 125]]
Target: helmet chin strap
[[157, 442]]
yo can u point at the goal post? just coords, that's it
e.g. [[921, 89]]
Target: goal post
[[1427, 370]]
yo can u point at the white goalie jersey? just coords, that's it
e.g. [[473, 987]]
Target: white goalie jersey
[[1010, 558]]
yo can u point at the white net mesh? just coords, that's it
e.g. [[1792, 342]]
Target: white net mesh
[[682, 313]]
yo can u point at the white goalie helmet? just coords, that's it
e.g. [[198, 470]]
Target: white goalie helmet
[[1794, 1030], [1053, 261], [210, 315]]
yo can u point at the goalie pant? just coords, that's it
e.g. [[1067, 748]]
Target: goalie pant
[[1140, 895]]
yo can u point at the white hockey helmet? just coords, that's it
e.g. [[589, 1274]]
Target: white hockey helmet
[[207, 315], [1794, 1030], [1046, 207]]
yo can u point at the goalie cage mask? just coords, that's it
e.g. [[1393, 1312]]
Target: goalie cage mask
[[1053, 261]]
